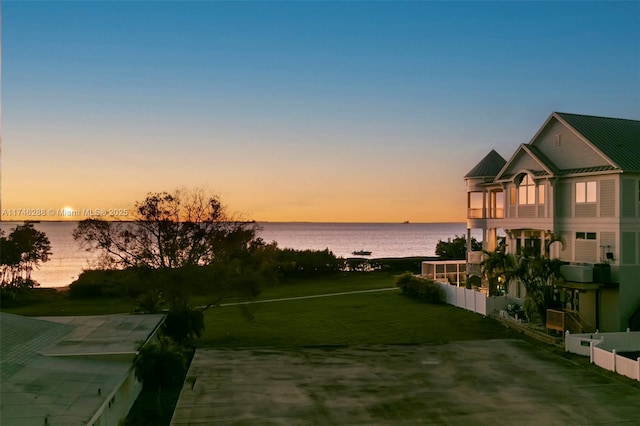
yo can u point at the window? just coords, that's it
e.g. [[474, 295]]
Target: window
[[526, 191], [512, 196], [541, 194], [586, 192], [585, 235], [475, 205]]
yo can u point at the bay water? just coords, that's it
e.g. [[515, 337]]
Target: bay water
[[68, 259]]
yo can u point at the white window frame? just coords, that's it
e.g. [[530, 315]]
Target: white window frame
[[586, 192], [591, 236], [526, 191]]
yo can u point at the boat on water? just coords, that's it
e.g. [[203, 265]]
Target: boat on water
[[361, 253]]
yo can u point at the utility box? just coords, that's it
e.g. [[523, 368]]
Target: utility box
[[601, 273], [577, 273]]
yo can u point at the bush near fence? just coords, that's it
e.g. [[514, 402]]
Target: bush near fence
[[421, 289]]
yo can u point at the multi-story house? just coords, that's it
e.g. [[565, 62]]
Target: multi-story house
[[578, 181]]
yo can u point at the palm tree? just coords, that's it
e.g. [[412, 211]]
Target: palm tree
[[183, 323], [498, 267], [553, 238], [538, 274], [160, 364]]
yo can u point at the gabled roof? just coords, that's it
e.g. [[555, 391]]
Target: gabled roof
[[616, 138], [489, 166], [546, 168]]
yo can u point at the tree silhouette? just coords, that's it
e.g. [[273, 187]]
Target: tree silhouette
[[23, 250]]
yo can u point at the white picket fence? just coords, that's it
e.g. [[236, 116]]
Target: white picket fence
[[603, 350], [473, 300]]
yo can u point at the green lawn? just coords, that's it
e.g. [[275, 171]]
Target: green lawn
[[49, 302], [335, 283], [385, 317]]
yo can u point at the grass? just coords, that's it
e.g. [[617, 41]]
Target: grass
[[335, 283], [50, 302], [366, 318], [384, 317]]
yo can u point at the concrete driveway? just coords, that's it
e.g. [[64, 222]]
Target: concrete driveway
[[489, 382]]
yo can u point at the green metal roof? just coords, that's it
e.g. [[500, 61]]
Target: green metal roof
[[489, 166], [64, 369], [617, 138], [543, 159], [581, 170]]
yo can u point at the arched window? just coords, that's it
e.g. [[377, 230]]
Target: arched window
[[526, 191]]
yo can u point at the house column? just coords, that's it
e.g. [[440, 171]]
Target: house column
[[491, 239]]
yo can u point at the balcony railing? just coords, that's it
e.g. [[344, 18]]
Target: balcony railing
[[497, 213], [474, 213]]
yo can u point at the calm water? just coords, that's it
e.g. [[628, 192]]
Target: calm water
[[382, 239]]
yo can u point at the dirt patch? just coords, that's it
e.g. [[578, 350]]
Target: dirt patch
[[480, 382]]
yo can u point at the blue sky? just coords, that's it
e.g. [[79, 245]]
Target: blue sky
[[320, 111]]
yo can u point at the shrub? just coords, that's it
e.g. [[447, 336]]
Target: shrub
[[307, 263], [421, 289], [456, 248], [95, 284]]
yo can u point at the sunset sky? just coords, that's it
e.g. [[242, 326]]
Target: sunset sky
[[295, 111]]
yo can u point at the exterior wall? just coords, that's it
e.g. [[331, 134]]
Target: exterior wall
[[629, 293], [118, 404], [572, 152], [630, 198], [601, 218], [629, 269], [609, 307], [587, 304]]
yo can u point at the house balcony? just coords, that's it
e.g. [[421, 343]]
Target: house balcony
[[480, 213]]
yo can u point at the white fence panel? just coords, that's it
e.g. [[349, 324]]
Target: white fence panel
[[628, 367], [470, 300], [580, 343], [480, 303], [461, 297], [496, 303], [450, 292], [604, 359]]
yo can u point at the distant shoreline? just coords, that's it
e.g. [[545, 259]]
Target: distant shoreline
[[302, 222]]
